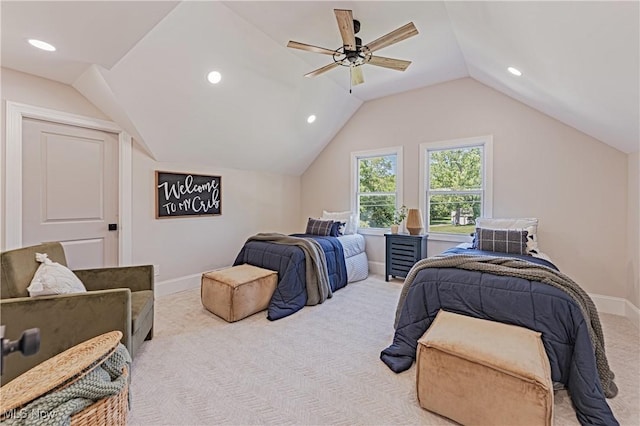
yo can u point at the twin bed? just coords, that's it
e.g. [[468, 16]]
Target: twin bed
[[346, 262], [504, 277], [487, 281]]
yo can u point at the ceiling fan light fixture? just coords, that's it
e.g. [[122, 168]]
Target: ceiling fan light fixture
[[43, 45], [214, 77], [514, 71], [353, 52], [311, 118]]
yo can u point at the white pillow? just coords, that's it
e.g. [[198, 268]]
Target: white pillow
[[505, 223], [528, 224], [348, 217], [53, 278]]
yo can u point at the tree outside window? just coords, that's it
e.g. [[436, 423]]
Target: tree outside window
[[376, 191], [377, 185], [455, 189]]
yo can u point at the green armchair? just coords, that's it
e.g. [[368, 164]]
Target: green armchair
[[116, 299]]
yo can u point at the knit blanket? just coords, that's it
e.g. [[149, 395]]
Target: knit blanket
[[533, 272], [317, 276], [56, 408]]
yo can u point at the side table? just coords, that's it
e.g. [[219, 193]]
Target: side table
[[402, 252]]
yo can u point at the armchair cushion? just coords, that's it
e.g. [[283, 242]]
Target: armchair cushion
[[141, 305]]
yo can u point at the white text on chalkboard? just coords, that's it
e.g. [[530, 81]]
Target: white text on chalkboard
[[188, 196]]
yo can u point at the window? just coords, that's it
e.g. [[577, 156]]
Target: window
[[376, 188], [455, 186]]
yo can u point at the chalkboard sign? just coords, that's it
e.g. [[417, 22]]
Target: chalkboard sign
[[181, 194]]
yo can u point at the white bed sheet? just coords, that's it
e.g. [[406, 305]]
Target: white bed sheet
[[355, 257], [353, 244]]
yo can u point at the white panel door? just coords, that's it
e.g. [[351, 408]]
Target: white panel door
[[70, 191]]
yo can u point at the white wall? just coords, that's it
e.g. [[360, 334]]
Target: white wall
[[633, 230], [574, 184], [183, 247], [252, 202]]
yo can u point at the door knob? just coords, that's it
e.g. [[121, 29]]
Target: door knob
[[113, 227]]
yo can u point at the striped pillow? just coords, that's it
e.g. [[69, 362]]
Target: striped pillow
[[513, 241], [319, 227]]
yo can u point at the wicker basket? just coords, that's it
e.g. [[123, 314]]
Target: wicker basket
[[64, 369], [105, 412]]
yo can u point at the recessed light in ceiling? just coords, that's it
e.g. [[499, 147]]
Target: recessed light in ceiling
[[514, 71], [214, 77], [311, 119], [41, 45]]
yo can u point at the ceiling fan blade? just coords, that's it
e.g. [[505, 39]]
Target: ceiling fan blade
[[393, 37], [309, 48], [345, 24], [322, 70], [394, 64], [356, 76]]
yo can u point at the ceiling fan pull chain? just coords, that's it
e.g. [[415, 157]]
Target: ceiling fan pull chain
[[350, 78]]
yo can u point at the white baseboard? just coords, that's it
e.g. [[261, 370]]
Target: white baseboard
[[609, 304], [376, 268], [632, 313], [617, 306], [177, 285]]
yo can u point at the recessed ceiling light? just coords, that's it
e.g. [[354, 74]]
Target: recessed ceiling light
[[214, 77], [311, 119], [41, 45], [514, 71]]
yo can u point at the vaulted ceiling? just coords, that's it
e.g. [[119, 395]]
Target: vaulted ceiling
[[145, 65]]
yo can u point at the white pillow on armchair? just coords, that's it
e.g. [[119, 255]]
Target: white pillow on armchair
[[53, 278]]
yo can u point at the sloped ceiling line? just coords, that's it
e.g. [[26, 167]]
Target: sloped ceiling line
[[580, 62], [93, 86]]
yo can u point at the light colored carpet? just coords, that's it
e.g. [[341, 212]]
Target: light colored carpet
[[318, 366]]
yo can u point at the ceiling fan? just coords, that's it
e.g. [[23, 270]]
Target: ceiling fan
[[353, 54]]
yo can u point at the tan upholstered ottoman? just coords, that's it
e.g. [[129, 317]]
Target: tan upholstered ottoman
[[237, 292], [480, 372]]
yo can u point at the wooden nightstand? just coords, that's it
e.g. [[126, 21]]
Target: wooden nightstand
[[402, 252]]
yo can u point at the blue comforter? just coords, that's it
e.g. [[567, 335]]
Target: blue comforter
[[510, 300], [289, 261]]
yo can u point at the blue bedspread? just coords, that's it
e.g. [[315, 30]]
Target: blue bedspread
[[289, 261], [510, 300]]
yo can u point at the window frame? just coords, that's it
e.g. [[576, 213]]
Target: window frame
[[486, 142], [355, 172]]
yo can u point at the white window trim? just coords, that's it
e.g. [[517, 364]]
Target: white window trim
[[487, 178], [394, 150]]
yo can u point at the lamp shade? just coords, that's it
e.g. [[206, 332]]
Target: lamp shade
[[414, 222]]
